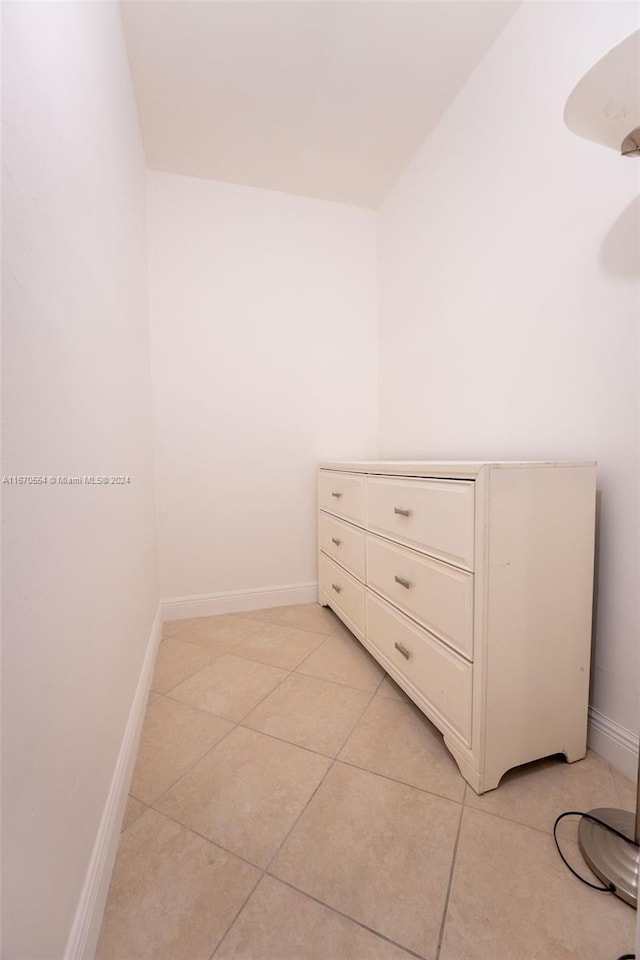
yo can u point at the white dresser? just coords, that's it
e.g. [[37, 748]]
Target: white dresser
[[471, 584]]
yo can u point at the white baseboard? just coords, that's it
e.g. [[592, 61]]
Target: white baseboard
[[614, 742], [620, 747], [235, 601], [88, 918]]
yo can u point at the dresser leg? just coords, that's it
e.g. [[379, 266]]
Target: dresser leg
[[577, 751], [469, 772]]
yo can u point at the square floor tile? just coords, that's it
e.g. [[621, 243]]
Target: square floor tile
[[265, 614], [340, 630], [312, 713], [279, 923], [536, 793], [171, 628], [390, 689], [230, 687], [176, 628], [247, 793], [174, 736], [307, 616], [343, 659], [513, 897], [279, 646], [173, 894], [132, 811], [221, 633], [378, 851], [396, 740], [176, 661], [625, 789]]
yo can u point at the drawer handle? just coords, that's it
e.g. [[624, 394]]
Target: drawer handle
[[402, 512], [403, 650], [335, 493], [403, 583], [336, 541], [336, 587]]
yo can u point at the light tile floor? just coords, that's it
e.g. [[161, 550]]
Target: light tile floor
[[290, 803]]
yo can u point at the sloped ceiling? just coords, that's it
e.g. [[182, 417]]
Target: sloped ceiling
[[326, 99]]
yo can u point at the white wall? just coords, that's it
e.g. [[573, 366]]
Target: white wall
[[509, 297], [509, 329], [263, 310], [80, 587]]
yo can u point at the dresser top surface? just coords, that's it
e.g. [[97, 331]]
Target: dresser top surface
[[465, 469]]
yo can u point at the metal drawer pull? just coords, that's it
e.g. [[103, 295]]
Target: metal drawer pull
[[403, 583], [336, 541], [403, 650], [336, 587], [401, 512], [335, 493]]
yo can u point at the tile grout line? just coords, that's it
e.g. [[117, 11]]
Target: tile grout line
[[251, 709], [189, 635], [188, 638], [360, 716], [123, 829], [236, 915], [219, 846], [267, 663], [305, 807], [264, 869], [468, 794], [322, 780], [190, 768], [402, 783], [290, 743], [194, 642], [151, 805], [450, 884], [213, 843], [338, 683], [214, 658], [236, 724], [324, 640], [501, 816], [356, 766], [264, 872], [315, 752], [240, 723], [330, 636], [340, 913], [298, 818]]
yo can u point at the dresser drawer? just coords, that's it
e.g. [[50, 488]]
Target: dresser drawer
[[433, 516], [438, 595], [342, 494], [343, 543], [441, 677], [343, 593]]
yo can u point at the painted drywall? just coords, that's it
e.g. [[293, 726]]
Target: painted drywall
[[263, 309], [509, 297], [80, 581], [328, 100]]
